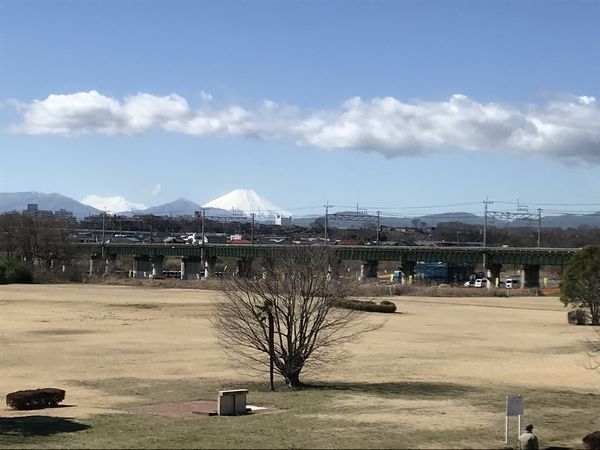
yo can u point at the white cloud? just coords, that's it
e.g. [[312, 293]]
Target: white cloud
[[111, 204], [143, 111], [85, 112], [566, 128], [156, 189]]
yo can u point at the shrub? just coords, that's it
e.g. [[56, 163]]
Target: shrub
[[19, 274], [578, 317], [12, 271], [592, 440], [384, 307], [35, 399]]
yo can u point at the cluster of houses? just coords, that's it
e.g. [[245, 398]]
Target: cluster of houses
[[146, 237]]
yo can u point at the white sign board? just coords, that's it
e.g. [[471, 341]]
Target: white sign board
[[514, 405]]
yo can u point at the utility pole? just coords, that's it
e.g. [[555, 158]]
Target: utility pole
[[202, 228], [103, 229], [486, 202], [378, 225], [326, 206], [252, 236], [539, 234]]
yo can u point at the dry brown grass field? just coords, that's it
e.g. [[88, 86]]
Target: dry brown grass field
[[435, 375]]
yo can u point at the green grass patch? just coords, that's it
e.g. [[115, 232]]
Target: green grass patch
[[324, 415]]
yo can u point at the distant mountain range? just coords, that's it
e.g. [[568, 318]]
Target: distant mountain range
[[180, 207], [572, 220], [18, 201], [237, 202], [352, 219], [248, 202]]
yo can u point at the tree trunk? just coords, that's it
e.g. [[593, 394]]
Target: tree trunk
[[293, 379]]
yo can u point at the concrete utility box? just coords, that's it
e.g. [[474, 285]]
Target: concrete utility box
[[232, 402]]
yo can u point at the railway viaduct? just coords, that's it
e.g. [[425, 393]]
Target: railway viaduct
[[200, 260]]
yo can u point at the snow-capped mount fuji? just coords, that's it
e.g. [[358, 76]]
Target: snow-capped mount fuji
[[248, 202]]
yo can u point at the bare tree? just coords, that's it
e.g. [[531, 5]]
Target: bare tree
[[297, 293]]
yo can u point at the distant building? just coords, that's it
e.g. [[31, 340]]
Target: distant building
[[215, 238], [283, 221], [239, 241], [63, 214], [33, 211]]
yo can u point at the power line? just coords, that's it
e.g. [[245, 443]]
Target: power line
[[395, 211], [447, 205], [548, 204]]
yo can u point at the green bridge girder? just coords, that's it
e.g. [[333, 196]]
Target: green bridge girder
[[472, 255]]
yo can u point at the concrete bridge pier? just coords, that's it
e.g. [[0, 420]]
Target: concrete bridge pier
[[494, 270], [368, 269], [157, 266], [94, 265], [408, 269], [244, 267], [142, 266], [109, 265], [209, 266], [532, 276], [191, 268]]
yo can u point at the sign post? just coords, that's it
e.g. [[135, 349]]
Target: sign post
[[514, 407]]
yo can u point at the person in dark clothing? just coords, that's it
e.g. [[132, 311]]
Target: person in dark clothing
[[528, 440]]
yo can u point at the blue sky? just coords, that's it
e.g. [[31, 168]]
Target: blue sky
[[390, 105]]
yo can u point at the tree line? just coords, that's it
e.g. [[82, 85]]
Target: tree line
[[457, 232], [34, 245]]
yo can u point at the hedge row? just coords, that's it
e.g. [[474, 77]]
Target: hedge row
[[361, 305]]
